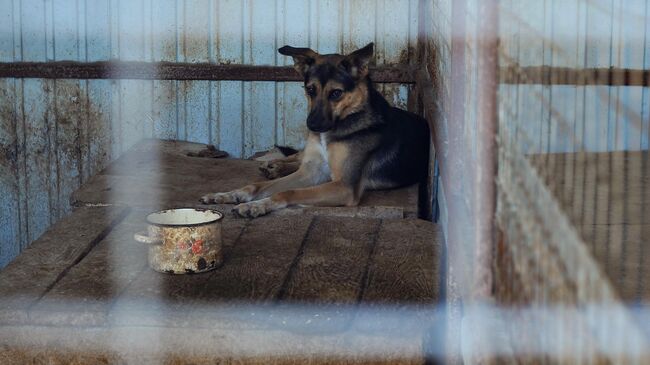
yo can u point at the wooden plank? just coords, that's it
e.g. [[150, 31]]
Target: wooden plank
[[330, 274], [144, 344], [334, 261], [406, 263], [260, 260], [30, 276], [404, 281], [137, 70], [251, 279], [556, 75], [84, 296]]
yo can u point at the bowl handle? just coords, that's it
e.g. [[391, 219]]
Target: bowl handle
[[143, 237]]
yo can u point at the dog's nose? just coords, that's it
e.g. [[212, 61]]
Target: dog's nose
[[317, 123]]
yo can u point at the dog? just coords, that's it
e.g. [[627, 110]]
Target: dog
[[356, 141]]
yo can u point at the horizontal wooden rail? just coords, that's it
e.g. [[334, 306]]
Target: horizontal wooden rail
[[544, 75], [547, 75], [176, 71]]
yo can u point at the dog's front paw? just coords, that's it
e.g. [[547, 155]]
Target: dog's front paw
[[232, 197], [270, 169], [254, 209], [218, 198]]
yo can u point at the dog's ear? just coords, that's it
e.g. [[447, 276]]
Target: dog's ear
[[302, 57], [356, 63]]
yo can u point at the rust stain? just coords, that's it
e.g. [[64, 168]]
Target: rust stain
[[8, 144], [83, 125]]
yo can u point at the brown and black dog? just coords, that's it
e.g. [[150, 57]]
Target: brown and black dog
[[356, 141]]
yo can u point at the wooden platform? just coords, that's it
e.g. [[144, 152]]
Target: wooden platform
[[607, 198], [314, 287], [159, 174]]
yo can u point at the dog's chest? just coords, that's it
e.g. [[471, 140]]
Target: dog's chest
[[337, 154], [328, 158]]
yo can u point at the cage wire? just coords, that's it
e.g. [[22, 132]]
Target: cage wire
[[572, 184]]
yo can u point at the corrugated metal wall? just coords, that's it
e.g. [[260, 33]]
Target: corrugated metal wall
[[577, 34], [54, 134]]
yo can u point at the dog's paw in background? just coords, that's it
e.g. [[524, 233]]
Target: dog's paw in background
[[271, 169], [255, 208], [278, 162], [232, 197]]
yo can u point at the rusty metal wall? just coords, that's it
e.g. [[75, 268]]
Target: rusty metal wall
[[54, 134]]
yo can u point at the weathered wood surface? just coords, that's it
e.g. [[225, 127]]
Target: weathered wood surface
[[159, 174], [606, 197], [299, 288], [49, 259]]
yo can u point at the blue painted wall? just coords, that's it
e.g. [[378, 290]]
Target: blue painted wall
[[55, 134]]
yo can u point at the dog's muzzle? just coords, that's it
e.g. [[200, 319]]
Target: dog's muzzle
[[316, 122]]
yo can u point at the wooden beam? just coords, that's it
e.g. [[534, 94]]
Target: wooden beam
[[547, 75], [176, 71]]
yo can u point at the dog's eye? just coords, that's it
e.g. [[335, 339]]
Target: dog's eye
[[311, 90], [336, 94]]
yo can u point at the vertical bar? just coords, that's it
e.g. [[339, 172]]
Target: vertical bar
[[451, 165], [486, 146]]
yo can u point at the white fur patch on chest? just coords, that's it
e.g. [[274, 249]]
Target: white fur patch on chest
[[316, 158], [323, 148]]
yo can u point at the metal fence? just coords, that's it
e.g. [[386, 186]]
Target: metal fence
[[567, 257]]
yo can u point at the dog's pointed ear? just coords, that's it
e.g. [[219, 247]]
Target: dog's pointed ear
[[302, 57], [356, 63]]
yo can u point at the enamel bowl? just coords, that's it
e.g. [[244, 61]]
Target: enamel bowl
[[183, 241]]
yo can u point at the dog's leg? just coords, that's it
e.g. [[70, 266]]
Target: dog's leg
[[299, 179], [334, 193], [313, 170], [281, 167]]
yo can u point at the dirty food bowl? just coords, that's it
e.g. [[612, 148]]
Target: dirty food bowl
[[183, 241]]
